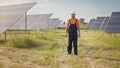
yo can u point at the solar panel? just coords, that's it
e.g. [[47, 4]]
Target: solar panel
[[61, 25], [58, 22], [32, 20], [51, 23], [98, 22], [55, 25], [104, 23], [113, 25], [41, 23], [90, 23], [11, 14]]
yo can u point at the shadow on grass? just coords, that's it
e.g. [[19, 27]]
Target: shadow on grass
[[2, 42]]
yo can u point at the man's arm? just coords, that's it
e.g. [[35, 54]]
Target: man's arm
[[78, 27], [79, 32], [67, 27]]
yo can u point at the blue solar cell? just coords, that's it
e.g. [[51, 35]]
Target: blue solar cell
[[115, 19], [90, 23], [98, 22], [113, 25], [115, 14], [112, 29]]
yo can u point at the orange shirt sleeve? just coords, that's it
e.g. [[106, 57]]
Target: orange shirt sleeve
[[67, 25]]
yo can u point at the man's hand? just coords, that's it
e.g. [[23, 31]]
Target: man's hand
[[78, 34]]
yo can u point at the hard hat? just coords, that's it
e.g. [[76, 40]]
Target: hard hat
[[73, 12]]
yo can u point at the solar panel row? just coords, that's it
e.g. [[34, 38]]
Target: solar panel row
[[108, 24], [33, 21], [13, 17], [113, 25]]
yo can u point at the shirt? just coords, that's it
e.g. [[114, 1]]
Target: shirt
[[73, 21]]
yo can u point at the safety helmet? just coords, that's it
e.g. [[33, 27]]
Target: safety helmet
[[73, 12]]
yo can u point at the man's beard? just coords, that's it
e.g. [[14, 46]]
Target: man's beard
[[73, 16]]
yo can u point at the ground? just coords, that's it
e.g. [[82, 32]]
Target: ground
[[47, 49]]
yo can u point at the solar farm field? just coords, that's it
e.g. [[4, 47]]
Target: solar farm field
[[47, 49]]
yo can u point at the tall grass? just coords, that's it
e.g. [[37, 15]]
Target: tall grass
[[49, 49], [23, 42], [111, 41]]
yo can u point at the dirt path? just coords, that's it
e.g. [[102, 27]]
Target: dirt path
[[60, 61], [90, 62]]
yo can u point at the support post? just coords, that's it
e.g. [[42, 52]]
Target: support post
[[25, 23], [5, 36]]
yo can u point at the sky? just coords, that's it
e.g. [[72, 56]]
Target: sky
[[87, 9]]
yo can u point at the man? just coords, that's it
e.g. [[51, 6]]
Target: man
[[73, 31]]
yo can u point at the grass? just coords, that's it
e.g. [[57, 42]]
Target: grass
[[47, 49], [112, 41], [24, 42]]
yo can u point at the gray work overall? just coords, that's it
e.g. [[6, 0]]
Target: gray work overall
[[72, 38]]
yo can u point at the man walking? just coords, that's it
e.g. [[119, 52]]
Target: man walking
[[73, 31]]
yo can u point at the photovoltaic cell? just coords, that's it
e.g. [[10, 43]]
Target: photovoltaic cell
[[11, 14], [90, 23], [31, 19], [113, 25], [56, 24], [98, 22], [41, 23], [51, 23], [60, 24]]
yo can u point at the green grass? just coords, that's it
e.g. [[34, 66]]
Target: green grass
[[112, 41], [47, 49], [24, 42]]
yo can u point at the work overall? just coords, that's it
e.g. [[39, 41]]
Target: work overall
[[72, 38]]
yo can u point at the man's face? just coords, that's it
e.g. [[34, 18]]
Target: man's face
[[73, 15]]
